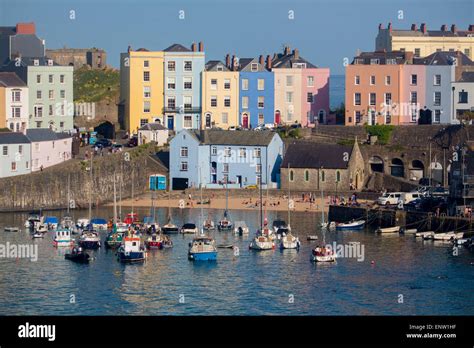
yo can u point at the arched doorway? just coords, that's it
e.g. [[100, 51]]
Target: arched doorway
[[397, 168], [208, 120], [376, 164], [277, 117], [245, 120], [437, 172], [417, 170], [322, 116]]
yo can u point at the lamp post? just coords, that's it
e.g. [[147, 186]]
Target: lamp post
[[454, 109]]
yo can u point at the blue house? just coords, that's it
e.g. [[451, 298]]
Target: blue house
[[256, 92], [214, 157], [182, 90]]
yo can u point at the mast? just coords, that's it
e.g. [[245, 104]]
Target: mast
[[133, 186], [120, 188], [68, 192], [289, 196], [322, 196], [90, 191], [115, 200], [261, 197], [201, 222]]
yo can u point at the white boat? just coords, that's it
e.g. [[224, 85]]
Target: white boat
[[289, 242], [447, 236], [428, 236], [11, 229], [423, 234], [121, 227], [67, 222], [62, 237], [82, 223], [34, 219], [279, 224], [38, 235], [262, 241], [395, 229], [131, 250], [241, 228], [409, 231], [352, 225], [208, 224], [461, 241], [226, 223], [189, 228], [41, 228], [322, 254]]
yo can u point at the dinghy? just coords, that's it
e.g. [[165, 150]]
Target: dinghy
[[395, 229], [322, 254], [352, 225], [78, 255], [11, 229], [423, 234]]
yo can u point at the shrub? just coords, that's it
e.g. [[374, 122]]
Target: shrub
[[382, 131]]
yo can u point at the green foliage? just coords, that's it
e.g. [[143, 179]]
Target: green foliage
[[347, 142], [289, 132], [382, 131], [93, 85]]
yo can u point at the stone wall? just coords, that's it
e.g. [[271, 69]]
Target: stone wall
[[104, 110], [49, 189]]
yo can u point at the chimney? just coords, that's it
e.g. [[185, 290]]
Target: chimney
[[423, 28], [454, 29], [193, 47], [443, 27], [232, 67], [413, 27], [25, 28], [261, 61], [380, 26], [390, 26], [409, 57], [287, 50], [471, 27], [269, 62], [296, 53], [201, 46], [129, 49], [227, 60]]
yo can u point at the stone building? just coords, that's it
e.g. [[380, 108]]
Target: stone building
[[307, 166], [96, 58]]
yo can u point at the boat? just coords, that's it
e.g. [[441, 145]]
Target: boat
[[395, 229], [82, 223], [241, 228], [278, 224], [62, 237], [208, 225], [202, 248], [38, 235], [323, 254], [448, 236], [99, 224], [78, 255], [51, 222], [352, 225], [189, 228], [170, 228], [225, 224], [131, 250], [11, 229], [154, 242], [166, 242], [288, 240], [89, 240], [114, 239], [312, 237], [34, 219], [41, 228], [423, 234], [428, 236], [67, 222], [408, 231], [131, 219]]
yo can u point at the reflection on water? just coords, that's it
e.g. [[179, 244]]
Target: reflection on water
[[430, 278]]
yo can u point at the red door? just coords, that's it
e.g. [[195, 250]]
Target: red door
[[245, 121], [277, 117]]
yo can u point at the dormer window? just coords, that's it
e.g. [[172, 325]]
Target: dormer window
[[299, 65], [50, 62], [391, 61], [36, 62], [254, 67], [374, 61], [220, 68], [359, 61]]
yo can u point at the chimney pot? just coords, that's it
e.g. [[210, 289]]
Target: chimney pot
[[261, 60], [269, 62], [390, 26], [287, 50], [234, 63], [129, 49], [380, 26], [25, 28], [423, 28], [453, 28], [443, 27], [201, 46], [193, 47], [227, 60], [471, 27], [413, 27], [296, 53]]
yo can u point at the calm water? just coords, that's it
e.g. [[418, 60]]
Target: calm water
[[431, 280], [336, 91]]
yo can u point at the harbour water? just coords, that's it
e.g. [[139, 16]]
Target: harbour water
[[406, 277]]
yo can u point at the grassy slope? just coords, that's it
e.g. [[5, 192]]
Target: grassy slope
[[93, 85]]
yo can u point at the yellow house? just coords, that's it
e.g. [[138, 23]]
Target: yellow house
[[423, 42], [141, 88], [220, 96]]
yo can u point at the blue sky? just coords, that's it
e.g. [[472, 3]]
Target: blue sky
[[325, 31]]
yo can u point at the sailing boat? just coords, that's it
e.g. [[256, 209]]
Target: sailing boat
[[325, 224], [132, 217], [264, 237], [67, 222], [288, 241], [115, 237], [203, 247], [170, 227], [226, 224]]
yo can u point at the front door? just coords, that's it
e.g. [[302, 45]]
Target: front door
[[239, 180], [208, 121], [277, 117], [245, 120], [170, 122]]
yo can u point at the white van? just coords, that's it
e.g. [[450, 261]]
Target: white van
[[389, 198], [408, 197]]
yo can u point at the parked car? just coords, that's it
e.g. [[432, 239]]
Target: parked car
[[117, 146], [408, 197], [389, 198], [102, 143], [296, 125], [133, 142], [427, 204], [439, 191]]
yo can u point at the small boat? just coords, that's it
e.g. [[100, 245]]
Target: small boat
[[461, 241], [51, 222], [408, 231], [11, 229], [208, 225], [423, 234], [121, 227], [38, 235], [82, 223], [166, 242], [448, 236], [189, 228], [202, 248], [99, 224], [428, 236], [62, 237], [352, 225], [289, 241], [170, 228], [224, 224], [225, 246], [131, 250], [34, 219], [241, 228], [41, 228], [264, 240], [114, 239], [395, 229], [312, 237], [322, 254], [78, 255], [282, 231], [89, 240], [154, 242], [67, 222], [278, 224]]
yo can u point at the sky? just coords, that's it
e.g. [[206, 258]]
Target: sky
[[324, 31]]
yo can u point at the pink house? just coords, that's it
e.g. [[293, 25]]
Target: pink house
[[412, 93], [315, 95], [48, 148]]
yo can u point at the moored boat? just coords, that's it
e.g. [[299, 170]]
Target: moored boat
[[323, 254], [202, 248], [99, 224], [78, 255], [154, 242], [170, 228], [11, 229], [51, 222], [131, 250], [241, 228], [89, 240], [208, 224], [62, 237], [395, 229], [352, 225], [189, 228], [114, 239]]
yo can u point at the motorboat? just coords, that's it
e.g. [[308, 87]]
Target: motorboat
[[67, 222], [208, 224], [352, 225], [62, 237], [131, 218], [224, 224], [89, 240], [241, 228], [131, 250], [11, 229], [38, 235], [82, 223], [114, 239], [279, 224], [170, 228], [34, 219], [189, 228], [323, 254], [395, 229], [78, 255], [202, 248], [41, 228], [51, 222], [154, 242], [99, 224]]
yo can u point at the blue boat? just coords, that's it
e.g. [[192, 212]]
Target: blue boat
[[99, 224], [202, 248], [131, 250], [51, 221], [352, 225]]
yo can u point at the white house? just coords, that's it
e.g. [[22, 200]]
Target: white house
[[14, 154], [48, 148], [13, 102], [153, 132], [463, 90]]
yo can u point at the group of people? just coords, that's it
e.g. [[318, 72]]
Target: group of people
[[341, 200]]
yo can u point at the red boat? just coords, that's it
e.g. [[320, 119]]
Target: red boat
[[154, 242], [131, 219]]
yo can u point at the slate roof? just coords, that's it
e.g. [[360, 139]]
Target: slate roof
[[364, 58], [245, 64], [177, 48], [153, 126], [286, 61], [212, 65], [431, 33], [225, 137], [44, 134], [444, 58], [315, 155], [29, 61], [467, 76], [13, 138], [10, 79]]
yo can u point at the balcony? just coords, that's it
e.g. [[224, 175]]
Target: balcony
[[182, 110]]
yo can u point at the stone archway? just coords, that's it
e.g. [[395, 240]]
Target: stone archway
[[417, 170], [376, 164], [397, 168]]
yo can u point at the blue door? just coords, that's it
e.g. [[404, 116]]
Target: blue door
[[170, 122]]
